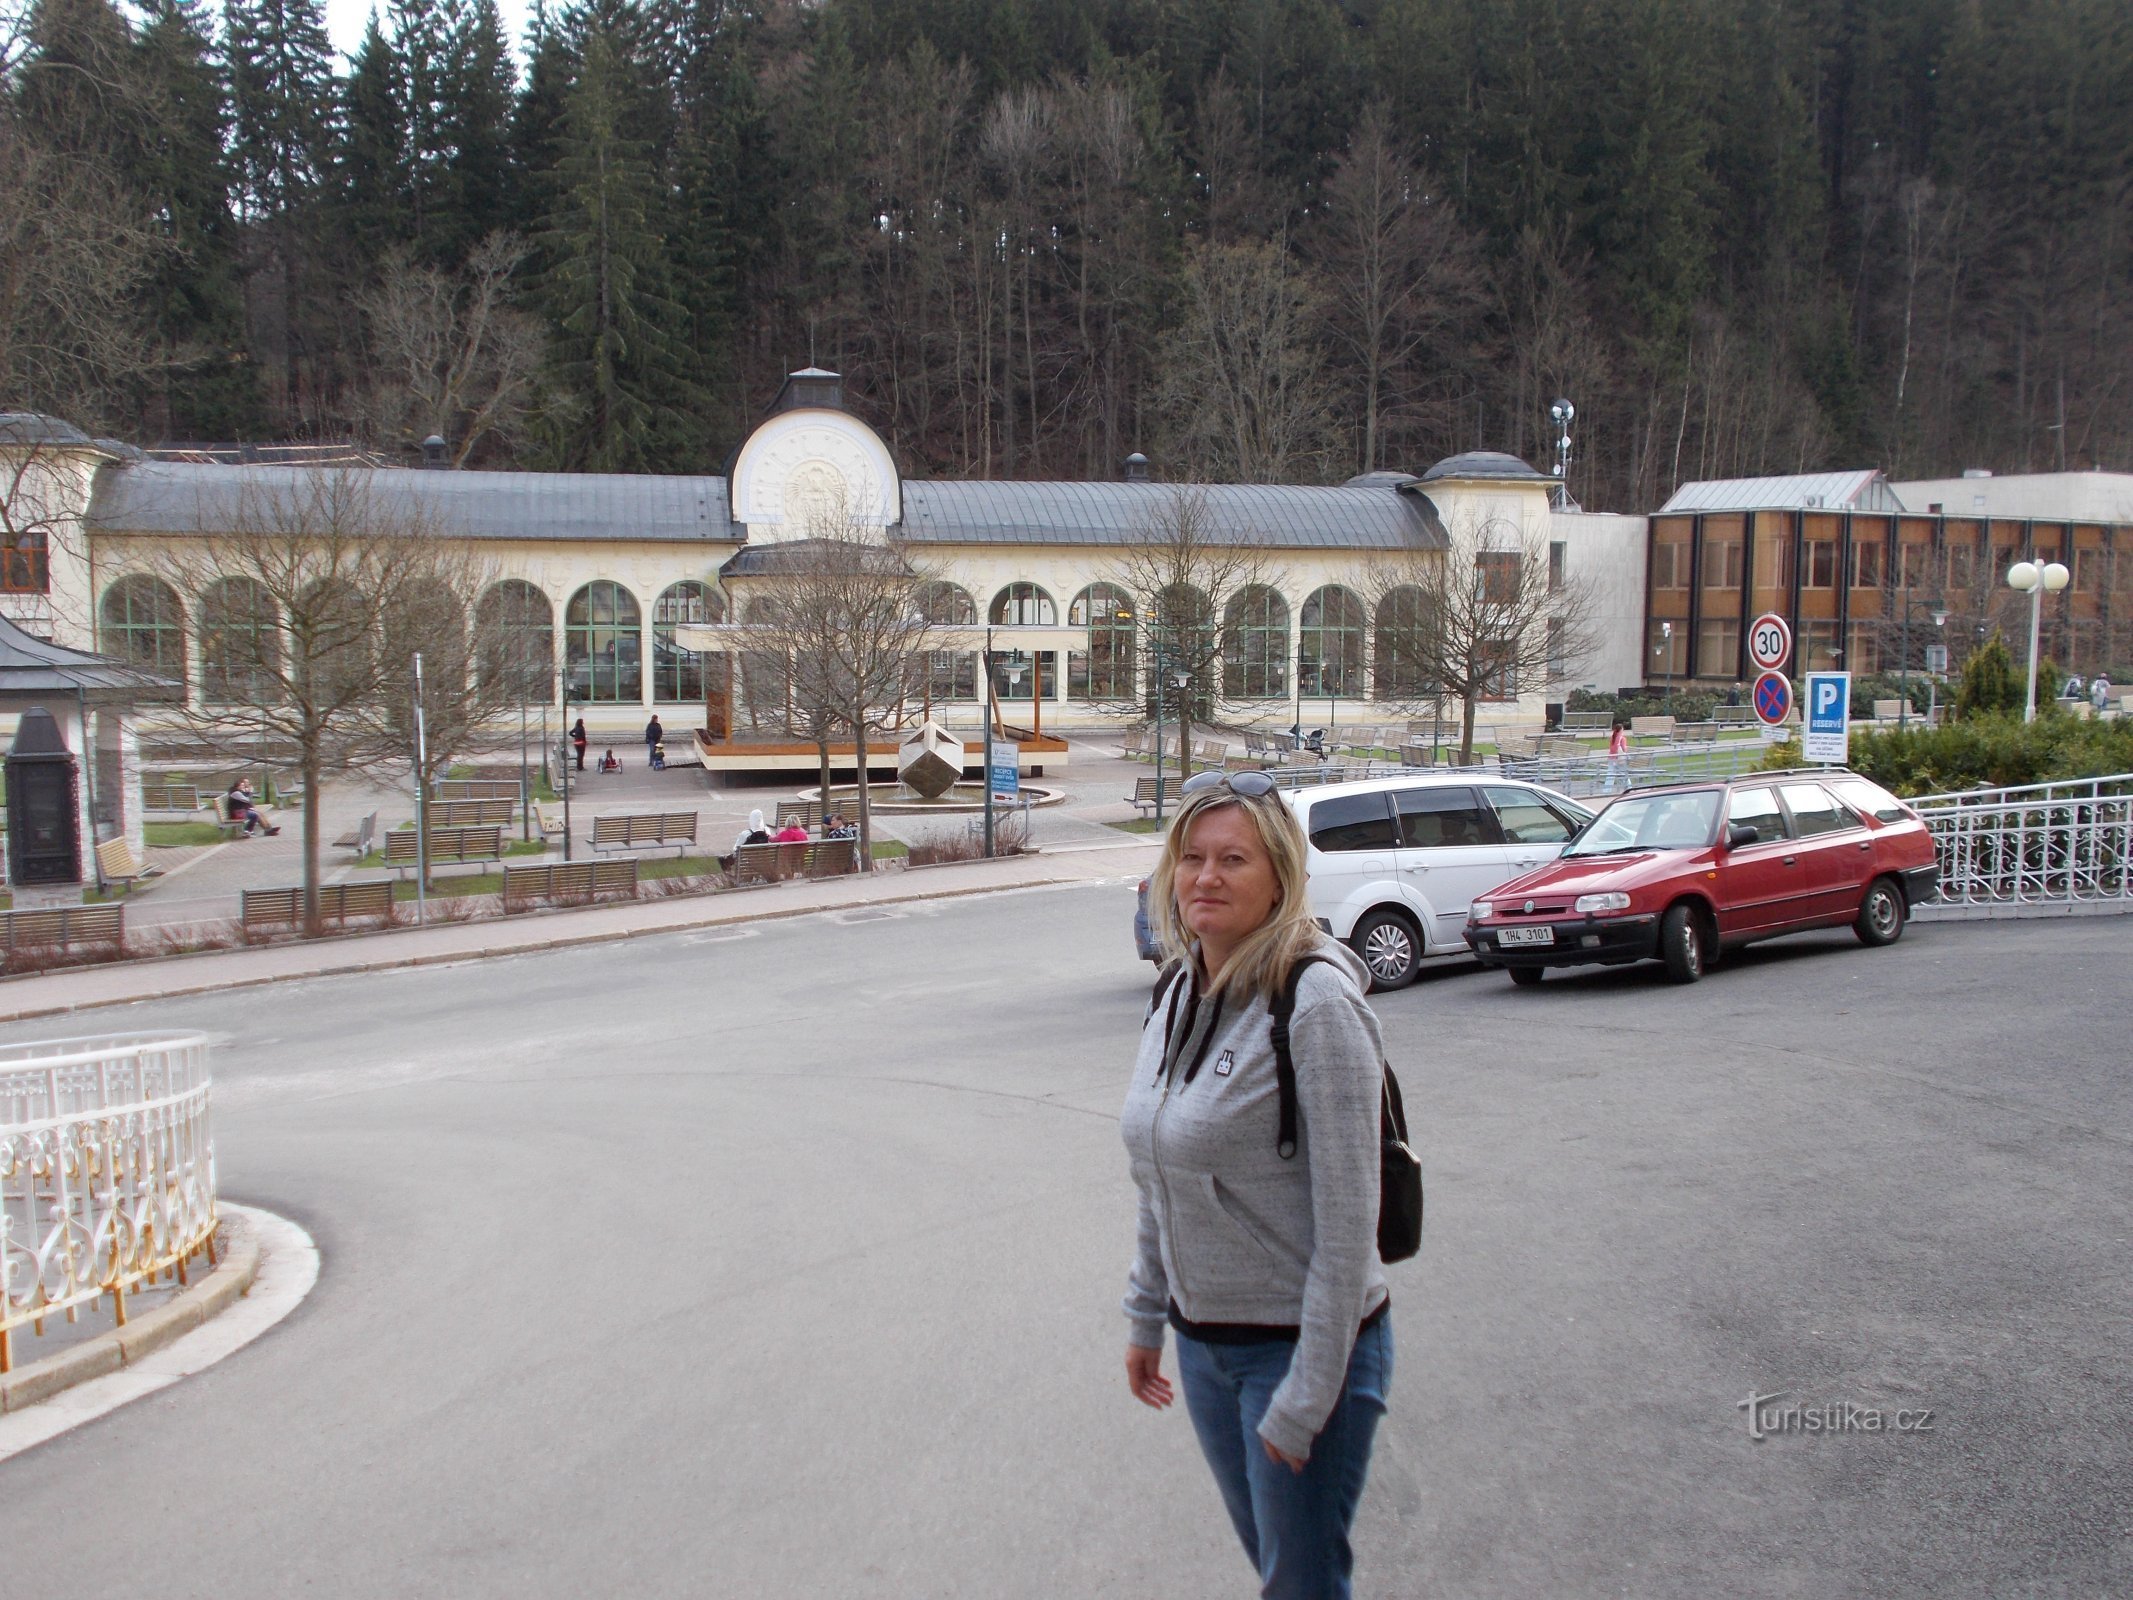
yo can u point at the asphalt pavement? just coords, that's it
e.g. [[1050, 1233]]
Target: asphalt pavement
[[805, 1283]]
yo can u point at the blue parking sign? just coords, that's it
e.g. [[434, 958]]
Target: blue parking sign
[[1006, 774], [1826, 719]]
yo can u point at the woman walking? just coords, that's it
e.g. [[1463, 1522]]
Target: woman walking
[[1261, 1255]]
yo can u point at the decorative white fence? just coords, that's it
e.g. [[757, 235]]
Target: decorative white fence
[[2038, 848], [107, 1172]]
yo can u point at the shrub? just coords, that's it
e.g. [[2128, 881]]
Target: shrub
[[1688, 705], [1996, 750], [1990, 683]]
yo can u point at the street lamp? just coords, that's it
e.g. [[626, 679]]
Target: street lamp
[[2034, 580], [1939, 613]]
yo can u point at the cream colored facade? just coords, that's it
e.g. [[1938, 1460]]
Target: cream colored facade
[[806, 461]]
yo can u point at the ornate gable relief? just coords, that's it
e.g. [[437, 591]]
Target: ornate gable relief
[[803, 472]]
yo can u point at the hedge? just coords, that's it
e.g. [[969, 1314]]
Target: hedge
[[1990, 750]]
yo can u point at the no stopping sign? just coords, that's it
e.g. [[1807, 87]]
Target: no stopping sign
[[1773, 698]]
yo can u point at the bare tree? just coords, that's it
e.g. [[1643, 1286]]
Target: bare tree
[[311, 606], [1487, 618], [44, 489], [1245, 391], [841, 610], [452, 357], [1187, 580]]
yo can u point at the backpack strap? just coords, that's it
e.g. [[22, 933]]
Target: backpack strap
[[1282, 1008]]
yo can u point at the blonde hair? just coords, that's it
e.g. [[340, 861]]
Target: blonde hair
[[1263, 957]]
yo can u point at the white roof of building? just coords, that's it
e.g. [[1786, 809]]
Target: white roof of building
[[1863, 490], [2050, 496]]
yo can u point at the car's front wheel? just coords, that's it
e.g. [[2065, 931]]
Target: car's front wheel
[[1390, 948], [1681, 944], [1882, 914], [1525, 977]]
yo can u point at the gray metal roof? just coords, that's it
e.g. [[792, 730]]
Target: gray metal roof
[[1486, 465], [34, 666], [183, 497], [23, 428], [1277, 516], [1862, 490]]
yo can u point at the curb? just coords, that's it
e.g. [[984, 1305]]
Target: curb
[[146, 1334], [561, 941]]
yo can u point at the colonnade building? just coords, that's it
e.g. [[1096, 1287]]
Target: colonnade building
[[597, 572]]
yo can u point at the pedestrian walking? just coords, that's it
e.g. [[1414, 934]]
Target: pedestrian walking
[[1618, 756], [2100, 692], [653, 734], [577, 737], [1258, 1241]]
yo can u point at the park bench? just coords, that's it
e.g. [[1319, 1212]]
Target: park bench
[[1143, 798], [362, 838], [807, 813], [1888, 710], [447, 845], [337, 902], [1210, 752], [116, 862], [157, 795], [1588, 721], [1695, 733], [472, 813], [569, 880], [1742, 716], [1134, 745], [549, 822], [63, 927], [491, 789], [773, 863], [630, 829], [1417, 755], [1651, 728]]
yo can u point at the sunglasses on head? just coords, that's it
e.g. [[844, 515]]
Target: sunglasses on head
[[1250, 785]]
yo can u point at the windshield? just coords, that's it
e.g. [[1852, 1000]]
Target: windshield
[[1651, 822]]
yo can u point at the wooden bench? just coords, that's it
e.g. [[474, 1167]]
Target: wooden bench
[[1888, 710], [1695, 733], [161, 796], [116, 863], [472, 813], [549, 822], [229, 825], [452, 789], [808, 813], [569, 880], [63, 927], [1210, 752], [631, 829], [1134, 745], [337, 902], [773, 863], [1742, 716], [447, 845], [1144, 792], [1588, 721], [1417, 755], [362, 838], [1651, 727]]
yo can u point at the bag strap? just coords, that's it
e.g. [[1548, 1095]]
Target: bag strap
[[1283, 1007]]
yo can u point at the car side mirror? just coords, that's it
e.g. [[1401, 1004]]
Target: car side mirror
[[1741, 833]]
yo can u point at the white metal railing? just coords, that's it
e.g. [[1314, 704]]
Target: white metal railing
[[2041, 844], [107, 1172]]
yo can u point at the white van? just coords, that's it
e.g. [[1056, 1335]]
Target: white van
[[1395, 862]]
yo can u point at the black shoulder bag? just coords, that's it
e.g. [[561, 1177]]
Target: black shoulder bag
[[1400, 1171]]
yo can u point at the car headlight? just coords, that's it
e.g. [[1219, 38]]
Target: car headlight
[[1612, 901], [1481, 911]]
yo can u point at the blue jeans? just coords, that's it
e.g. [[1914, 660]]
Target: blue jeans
[[1294, 1524]]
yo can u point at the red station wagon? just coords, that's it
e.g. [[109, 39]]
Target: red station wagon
[[1684, 872]]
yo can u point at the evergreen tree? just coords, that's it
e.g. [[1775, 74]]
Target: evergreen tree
[[618, 351], [373, 156], [475, 121]]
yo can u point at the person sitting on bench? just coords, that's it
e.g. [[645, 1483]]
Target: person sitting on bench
[[608, 763], [659, 757], [245, 809]]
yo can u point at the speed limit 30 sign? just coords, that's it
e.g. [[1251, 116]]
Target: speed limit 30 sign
[[1769, 642]]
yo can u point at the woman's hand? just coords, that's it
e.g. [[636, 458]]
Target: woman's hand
[[1293, 1463], [1144, 1376]]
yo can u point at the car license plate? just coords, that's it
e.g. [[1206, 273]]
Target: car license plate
[[1511, 936]]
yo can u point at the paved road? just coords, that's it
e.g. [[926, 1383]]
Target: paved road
[[811, 1290]]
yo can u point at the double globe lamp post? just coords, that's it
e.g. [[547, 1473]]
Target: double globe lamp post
[[2035, 581]]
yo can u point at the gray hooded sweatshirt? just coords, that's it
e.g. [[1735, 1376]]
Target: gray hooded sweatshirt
[[1228, 1229]]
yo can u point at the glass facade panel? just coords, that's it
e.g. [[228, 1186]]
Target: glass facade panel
[[240, 644], [1718, 649], [514, 645], [679, 674], [603, 645], [1104, 671], [1255, 653], [144, 622], [1027, 604], [1330, 642], [949, 674], [1402, 652]]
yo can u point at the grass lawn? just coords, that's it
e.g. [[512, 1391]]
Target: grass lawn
[[167, 834], [1140, 825], [890, 850], [512, 847]]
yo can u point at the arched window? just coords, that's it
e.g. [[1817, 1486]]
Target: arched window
[[678, 674], [603, 645], [1104, 671], [1026, 604], [950, 674], [1403, 653], [144, 621], [1330, 643], [1181, 634], [240, 644], [1255, 646], [515, 644]]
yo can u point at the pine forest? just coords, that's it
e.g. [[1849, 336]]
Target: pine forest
[[1266, 240]]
